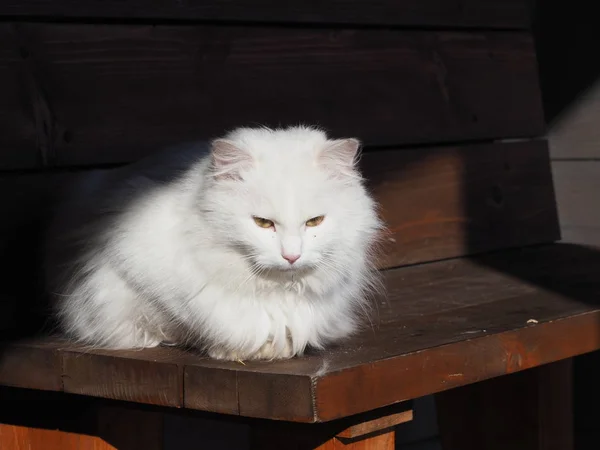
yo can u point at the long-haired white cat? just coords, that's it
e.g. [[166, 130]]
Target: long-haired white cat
[[254, 248]]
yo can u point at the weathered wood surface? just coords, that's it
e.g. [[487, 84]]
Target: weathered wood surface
[[467, 13], [89, 94], [531, 410], [441, 325]]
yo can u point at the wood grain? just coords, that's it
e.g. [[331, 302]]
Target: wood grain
[[482, 13], [440, 326], [524, 411], [115, 93], [31, 364], [221, 394], [133, 379], [447, 202]]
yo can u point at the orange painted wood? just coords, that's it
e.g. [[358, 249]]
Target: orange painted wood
[[371, 426], [383, 441], [22, 438]]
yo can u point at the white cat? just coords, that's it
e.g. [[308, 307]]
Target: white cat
[[254, 248]]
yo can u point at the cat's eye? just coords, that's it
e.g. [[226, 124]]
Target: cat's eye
[[314, 221], [263, 223]]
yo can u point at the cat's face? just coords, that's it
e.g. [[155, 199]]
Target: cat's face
[[289, 211], [286, 223]]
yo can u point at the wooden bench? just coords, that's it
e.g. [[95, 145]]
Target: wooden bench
[[483, 308]]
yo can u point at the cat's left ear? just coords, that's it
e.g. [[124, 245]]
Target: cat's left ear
[[341, 155], [228, 159]]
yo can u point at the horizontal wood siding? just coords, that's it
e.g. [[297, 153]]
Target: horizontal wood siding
[[90, 94]]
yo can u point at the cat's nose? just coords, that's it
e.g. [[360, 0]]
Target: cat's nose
[[290, 258]]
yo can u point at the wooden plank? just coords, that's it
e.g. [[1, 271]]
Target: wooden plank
[[377, 424], [577, 185], [154, 379], [531, 410], [221, 394], [477, 13], [33, 365], [283, 396], [17, 86], [116, 93], [447, 202]]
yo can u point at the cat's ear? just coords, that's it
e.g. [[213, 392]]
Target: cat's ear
[[228, 159], [340, 155]]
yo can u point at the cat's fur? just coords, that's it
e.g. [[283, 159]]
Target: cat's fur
[[167, 249]]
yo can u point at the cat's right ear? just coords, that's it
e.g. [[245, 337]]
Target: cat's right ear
[[340, 157], [228, 159]]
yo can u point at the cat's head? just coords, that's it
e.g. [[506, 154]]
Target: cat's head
[[290, 199]]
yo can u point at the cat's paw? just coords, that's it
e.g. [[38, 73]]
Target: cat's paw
[[138, 340], [267, 352], [270, 352]]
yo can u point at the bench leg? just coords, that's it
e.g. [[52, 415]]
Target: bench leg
[[529, 410], [370, 431]]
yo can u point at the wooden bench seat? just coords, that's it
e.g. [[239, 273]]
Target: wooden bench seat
[[441, 325]]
